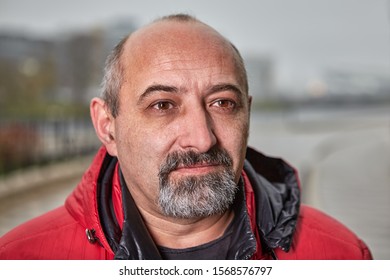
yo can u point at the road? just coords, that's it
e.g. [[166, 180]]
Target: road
[[343, 158]]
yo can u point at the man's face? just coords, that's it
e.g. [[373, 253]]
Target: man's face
[[183, 120]]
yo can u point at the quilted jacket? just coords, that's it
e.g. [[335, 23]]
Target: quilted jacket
[[99, 220]]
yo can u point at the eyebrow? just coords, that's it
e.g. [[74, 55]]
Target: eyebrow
[[226, 87], [157, 88], [171, 89]]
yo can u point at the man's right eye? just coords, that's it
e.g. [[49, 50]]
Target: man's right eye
[[162, 106]]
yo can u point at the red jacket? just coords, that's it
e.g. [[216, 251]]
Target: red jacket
[[282, 228]]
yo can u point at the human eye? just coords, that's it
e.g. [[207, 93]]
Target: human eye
[[224, 104], [162, 106]]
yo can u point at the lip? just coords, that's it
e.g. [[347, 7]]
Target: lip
[[196, 169]]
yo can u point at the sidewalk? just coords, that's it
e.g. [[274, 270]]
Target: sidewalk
[[30, 193], [352, 183]]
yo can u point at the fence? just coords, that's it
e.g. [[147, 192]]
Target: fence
[[24, 143]]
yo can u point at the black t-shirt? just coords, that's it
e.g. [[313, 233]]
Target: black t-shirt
[[214, 250]]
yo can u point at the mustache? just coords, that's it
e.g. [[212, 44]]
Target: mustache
[[215, 156]]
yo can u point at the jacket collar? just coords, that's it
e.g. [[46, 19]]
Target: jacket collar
[[271, 196], [82, 202], [276, 191]]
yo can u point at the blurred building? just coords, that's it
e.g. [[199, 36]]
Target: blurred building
[[116, 31], [17, 48], [26, 71], [45, 88], [71, 64], [339, 87], [77, 59], [260, 71], [357, 83]]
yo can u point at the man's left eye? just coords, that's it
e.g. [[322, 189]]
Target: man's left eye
[[225, 104]]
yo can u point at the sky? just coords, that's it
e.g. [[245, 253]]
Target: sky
[[304, 38]]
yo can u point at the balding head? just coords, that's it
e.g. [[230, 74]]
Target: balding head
[[175, 33]]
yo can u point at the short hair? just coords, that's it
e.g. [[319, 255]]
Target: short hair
[[113, 71], [113, 78]]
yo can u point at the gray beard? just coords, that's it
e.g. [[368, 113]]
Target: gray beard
[[198, 196]]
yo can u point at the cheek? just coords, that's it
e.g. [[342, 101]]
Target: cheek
[[233, 137], [142, 148], [138, 159]]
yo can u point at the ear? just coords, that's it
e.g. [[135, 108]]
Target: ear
[[249, 102], [104, 124]]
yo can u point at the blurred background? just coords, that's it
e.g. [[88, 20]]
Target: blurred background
[[319, 73]]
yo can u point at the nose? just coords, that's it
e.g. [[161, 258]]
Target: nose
[[197, 132]]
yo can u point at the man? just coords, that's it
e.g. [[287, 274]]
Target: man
[[174, 178]]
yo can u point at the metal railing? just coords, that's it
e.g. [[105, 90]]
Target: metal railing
[[24, 142]]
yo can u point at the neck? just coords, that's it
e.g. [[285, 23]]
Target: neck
[[184, 233]]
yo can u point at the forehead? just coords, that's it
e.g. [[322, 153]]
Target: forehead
[[186, 45], [172, 35]]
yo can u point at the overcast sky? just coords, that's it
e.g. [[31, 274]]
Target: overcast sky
[[305, 37]]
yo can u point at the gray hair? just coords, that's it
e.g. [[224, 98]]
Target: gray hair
[[113, 71], [113, 78], [197, 196]]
